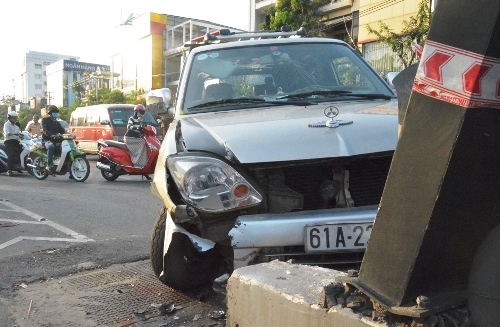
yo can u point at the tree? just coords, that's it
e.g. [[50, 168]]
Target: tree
[[78, 89], [136, 97], [416, 29], [296, 13]]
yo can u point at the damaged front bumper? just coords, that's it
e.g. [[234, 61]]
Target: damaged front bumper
[[251, 233]]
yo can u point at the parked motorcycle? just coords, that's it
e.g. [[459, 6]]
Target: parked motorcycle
[[115, 159], [67, 158], [26, 142]]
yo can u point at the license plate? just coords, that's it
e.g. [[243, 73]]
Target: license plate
[[337, 237]]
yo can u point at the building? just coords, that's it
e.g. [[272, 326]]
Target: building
[[70, 80], [151, 55], [139, 63], [34, 75]]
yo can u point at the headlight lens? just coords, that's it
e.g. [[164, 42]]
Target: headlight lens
[[211, 185]]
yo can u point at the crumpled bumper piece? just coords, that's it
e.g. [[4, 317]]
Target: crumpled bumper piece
[[199, 243]]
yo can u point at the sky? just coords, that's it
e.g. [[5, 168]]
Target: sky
[[87, 28]]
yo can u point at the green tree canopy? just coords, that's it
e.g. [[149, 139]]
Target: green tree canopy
[[296, 13], [416, 29]]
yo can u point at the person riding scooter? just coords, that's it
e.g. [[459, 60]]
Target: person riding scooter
[[11, 133], [134, 139], [51, 128]]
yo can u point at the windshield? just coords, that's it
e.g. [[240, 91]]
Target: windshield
[[249, 77]]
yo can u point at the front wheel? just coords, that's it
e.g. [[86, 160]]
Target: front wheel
[[39, 171], [80, 169], [109, 176], [184, 267]]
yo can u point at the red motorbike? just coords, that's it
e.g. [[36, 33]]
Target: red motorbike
[[115, 158]]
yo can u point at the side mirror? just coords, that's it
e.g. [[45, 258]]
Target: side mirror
[[390, 77]]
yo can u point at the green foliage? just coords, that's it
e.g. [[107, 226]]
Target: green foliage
[[78, 89], [416, 29], [296, 13], [136, 97]]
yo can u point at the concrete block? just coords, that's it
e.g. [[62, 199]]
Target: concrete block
[[283, 294]]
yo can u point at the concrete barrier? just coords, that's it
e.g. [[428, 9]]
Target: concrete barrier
[[288, 295]]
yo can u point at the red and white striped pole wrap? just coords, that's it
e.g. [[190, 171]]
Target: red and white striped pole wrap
[[458, 76]]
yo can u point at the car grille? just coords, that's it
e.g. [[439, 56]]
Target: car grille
[[367, 176]]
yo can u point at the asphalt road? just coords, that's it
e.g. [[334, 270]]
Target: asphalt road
[[67, 246]]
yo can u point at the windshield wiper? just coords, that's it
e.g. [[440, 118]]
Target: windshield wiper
[[336, 93], [311, 93], [251, 100]]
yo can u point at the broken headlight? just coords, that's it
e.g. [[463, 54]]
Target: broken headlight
[[211, 185]]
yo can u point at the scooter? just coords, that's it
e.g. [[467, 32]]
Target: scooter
[[67, 158], [26, 142], [115, 160]]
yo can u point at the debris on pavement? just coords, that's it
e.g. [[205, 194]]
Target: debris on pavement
[[8, 224], [218, 314]]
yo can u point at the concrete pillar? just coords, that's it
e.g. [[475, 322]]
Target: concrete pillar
[[442, 194]]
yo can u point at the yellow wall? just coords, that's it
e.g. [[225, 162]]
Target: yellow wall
[[158, 21], [391, 12]]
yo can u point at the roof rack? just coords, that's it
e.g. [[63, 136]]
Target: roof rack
[[225, 35]]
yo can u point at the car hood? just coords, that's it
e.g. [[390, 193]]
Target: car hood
[[284, 133]]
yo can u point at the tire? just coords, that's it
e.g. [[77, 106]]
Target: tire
[[186, 269], [80, 169], [39, 172], [109, 176]]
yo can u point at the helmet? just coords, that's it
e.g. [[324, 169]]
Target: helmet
[[52, 109], [140, 109], [12, 114]]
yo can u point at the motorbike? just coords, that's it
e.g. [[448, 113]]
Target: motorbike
[[67, 158], [25, 142], [115, 159]]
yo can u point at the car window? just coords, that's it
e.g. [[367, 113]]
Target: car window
[[276, 70]]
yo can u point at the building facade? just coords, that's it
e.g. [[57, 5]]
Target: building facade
[[139, 62], [34, 83], [70, 80]]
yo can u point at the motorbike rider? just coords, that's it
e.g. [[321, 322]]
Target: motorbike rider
[[134, 139], [34, 127], [50, 129], [11, 133]]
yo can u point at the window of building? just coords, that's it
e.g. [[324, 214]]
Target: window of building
[[38, 86], [38, 66], [38, 76]]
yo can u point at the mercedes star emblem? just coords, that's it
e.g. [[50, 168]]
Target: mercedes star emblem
[[331, 112]]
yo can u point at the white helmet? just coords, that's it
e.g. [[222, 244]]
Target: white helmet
[[12, 114]]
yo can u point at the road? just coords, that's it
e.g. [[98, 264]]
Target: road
[[57, 229]]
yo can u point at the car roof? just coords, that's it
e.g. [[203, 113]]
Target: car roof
[[277, 41]]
